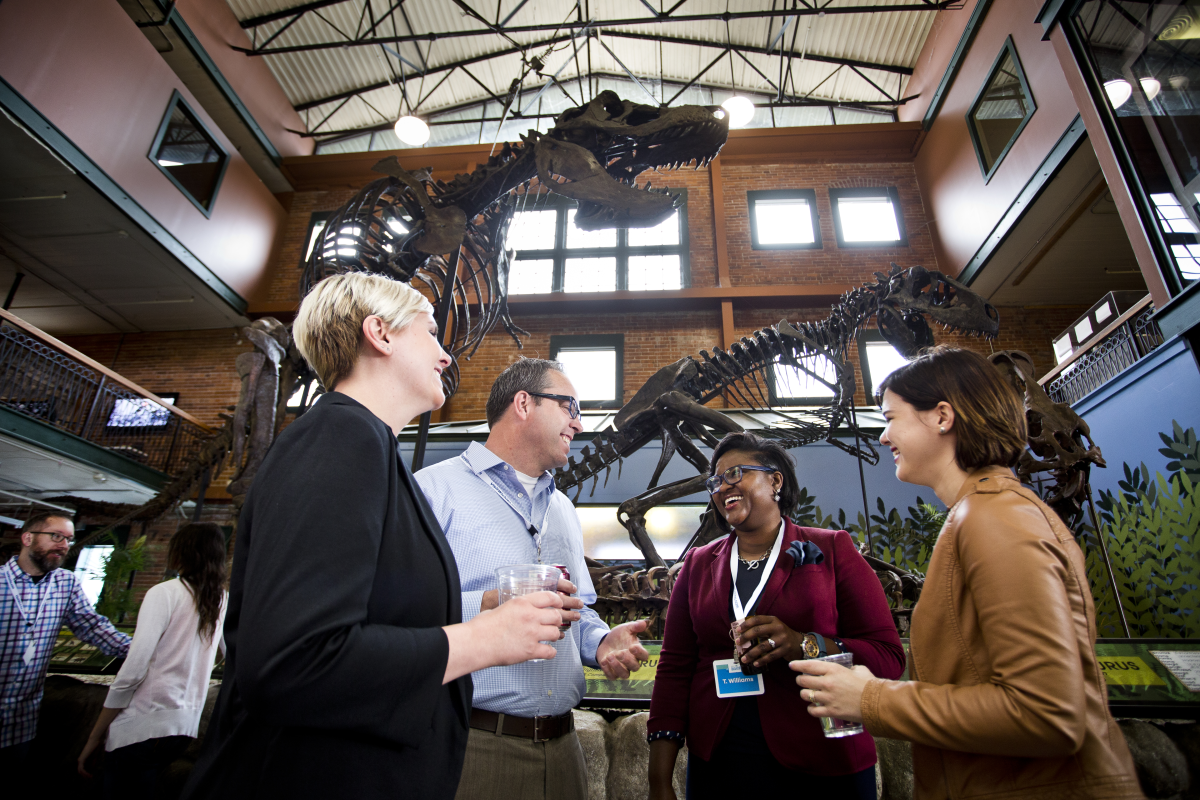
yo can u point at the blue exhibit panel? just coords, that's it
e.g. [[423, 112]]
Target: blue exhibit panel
[[1127, 413]]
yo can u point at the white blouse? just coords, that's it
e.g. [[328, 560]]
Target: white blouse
[[163, 683]]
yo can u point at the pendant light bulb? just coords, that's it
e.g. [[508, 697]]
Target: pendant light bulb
[[412, 130], [1118, 91], [741, 111], [1151, 87]]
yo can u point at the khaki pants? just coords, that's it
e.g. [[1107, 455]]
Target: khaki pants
[[512, 768]]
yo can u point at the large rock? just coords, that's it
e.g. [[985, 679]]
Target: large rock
[[1161, 767], [594, 736], [895, 769], [627, 774], [1186, 736]]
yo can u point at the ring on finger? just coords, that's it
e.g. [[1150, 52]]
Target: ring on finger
[[772, 643]]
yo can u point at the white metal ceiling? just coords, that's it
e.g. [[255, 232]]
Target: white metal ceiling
[[309, 77]]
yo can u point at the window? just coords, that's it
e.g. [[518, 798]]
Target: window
[[595, 365], [90, 569], [878, 360], [791, 386], [316, 226], [552, 255], [188, 155], [784, 219], [670, 528], [140, 412], [1001, 109], [868, 217], [1180, 232]]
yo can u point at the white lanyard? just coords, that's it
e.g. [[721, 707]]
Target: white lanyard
[[12, 587], [739, 611], [538, 531]]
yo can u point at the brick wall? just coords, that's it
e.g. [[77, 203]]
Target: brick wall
[[829, 264]]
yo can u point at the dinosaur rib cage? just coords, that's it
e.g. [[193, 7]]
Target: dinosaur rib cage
[[371, 233]]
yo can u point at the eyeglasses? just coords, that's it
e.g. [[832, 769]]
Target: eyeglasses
[[732, 476], [57, 538], [572, 403]]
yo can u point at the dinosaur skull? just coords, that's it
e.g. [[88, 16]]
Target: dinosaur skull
[[595, 153], [916, 293]]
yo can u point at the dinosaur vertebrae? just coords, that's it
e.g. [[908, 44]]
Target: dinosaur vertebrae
[[733, 371]]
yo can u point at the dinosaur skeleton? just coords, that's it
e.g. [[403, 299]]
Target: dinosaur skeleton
[[404, 225], [670, 405], [1060, 442]]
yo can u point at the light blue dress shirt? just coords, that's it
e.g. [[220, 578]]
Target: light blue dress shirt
[[486, 516]]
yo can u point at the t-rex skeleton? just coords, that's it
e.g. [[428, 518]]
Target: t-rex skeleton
[[405, 224], [670, 405]]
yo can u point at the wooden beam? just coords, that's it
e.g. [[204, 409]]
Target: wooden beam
[[727, 334], [718, 209], [65, 348]]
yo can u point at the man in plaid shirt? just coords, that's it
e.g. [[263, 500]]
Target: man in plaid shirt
[[36, 598]]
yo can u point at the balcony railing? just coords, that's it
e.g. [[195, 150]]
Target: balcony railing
[[1130, 337], [46, 379]]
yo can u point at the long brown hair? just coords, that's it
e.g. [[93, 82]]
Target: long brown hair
[[989, 414], [197, 553]]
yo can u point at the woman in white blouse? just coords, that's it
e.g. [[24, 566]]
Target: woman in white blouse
[[152, 711]]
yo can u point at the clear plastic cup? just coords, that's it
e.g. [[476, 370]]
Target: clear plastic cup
[[521, 579], [832, 727]]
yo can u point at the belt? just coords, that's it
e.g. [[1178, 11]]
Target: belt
[[539, 729]]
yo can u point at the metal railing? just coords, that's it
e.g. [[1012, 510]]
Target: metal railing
[[1129, 339], [54, 384]]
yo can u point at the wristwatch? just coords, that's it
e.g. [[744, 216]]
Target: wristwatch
[[813, 645]]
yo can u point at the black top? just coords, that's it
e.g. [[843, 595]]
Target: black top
[[745, 733], [341, 582]]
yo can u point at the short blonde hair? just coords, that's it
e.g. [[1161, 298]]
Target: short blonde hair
[[329, 325]]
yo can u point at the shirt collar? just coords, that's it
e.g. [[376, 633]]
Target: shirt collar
[[15, 570], [481, 460]]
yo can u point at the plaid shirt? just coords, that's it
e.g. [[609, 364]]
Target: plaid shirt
[[485, 513], [60, 599]]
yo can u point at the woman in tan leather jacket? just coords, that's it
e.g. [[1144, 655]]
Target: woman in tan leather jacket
[[1006, 699]]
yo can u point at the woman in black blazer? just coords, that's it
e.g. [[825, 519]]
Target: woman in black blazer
[[348, 669]]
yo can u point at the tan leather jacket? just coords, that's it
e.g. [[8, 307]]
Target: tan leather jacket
[[1007, 699]]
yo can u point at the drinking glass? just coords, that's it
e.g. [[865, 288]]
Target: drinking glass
[[832, 727], [520, 579]]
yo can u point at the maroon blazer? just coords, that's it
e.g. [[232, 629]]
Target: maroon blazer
[[839, 597]]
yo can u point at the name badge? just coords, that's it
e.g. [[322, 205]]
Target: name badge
[[732, 682]]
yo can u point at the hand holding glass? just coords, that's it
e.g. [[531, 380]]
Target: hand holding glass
[[521, 579], [833, 727]]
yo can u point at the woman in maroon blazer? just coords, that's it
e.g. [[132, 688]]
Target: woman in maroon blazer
[[817, 593]]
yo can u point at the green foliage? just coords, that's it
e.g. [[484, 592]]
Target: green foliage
[[1150, 527], [1184, 451], [116, 598], [905, 541]]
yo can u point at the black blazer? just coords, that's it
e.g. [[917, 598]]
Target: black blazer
[[341, 582]]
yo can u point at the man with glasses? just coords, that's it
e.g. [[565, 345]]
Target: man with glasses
[[498, 505], [36, 598]]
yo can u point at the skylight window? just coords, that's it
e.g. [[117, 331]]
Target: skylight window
[[1180, 231], [867, 217], [784, 219]]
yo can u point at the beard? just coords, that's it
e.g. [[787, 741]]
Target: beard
[[46, 561]]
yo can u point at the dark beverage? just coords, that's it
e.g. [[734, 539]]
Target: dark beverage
[[566, 573]]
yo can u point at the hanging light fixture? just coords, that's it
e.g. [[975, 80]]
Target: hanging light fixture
[[741, 110], [1118, 91], [1151, 87], [412, 130]]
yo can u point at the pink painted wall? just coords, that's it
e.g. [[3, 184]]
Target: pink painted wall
[[964, 208], [218, 31], [88, 69]]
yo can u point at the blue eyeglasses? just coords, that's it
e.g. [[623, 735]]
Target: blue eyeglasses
[[572, 403], [732, 476]]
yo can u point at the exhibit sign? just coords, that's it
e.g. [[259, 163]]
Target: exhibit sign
[[1145, 677]]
